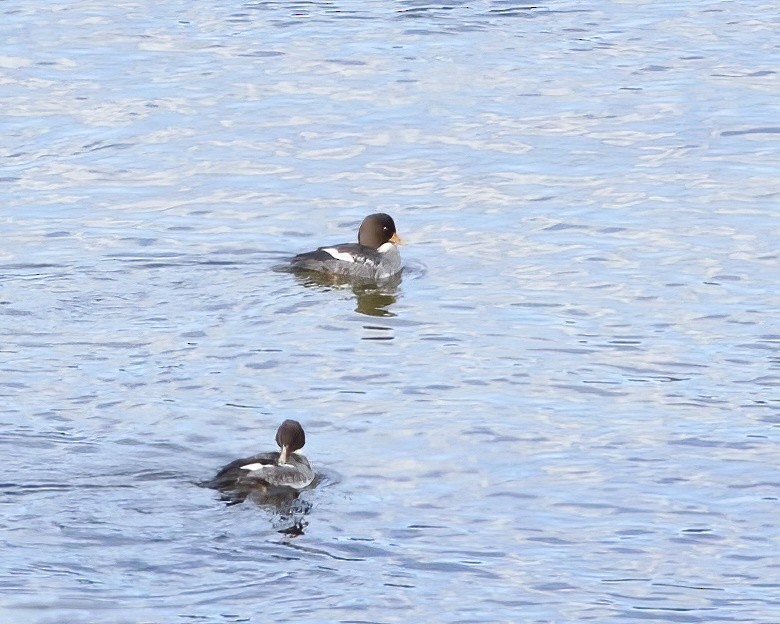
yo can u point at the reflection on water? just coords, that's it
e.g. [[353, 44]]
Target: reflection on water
[[373, 298], [286, 507], [597, 325]]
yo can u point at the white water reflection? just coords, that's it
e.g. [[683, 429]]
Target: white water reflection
[[562, 411]]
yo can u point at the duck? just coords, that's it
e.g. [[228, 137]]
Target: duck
[[374, 257], [283, 469]]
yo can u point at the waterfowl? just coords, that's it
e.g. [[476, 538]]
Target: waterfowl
[[375, 256], [285, 468]]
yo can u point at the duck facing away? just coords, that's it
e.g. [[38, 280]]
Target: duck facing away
[[375, 256], [274, 470]]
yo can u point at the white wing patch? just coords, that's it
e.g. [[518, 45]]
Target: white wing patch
[[339, 255], [252, 467]]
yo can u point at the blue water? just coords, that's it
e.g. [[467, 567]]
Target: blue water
[[566, 411]]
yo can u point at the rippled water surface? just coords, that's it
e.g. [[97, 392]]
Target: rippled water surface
[[565, 411]]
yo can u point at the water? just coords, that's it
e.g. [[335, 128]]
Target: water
[[565, 411]]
